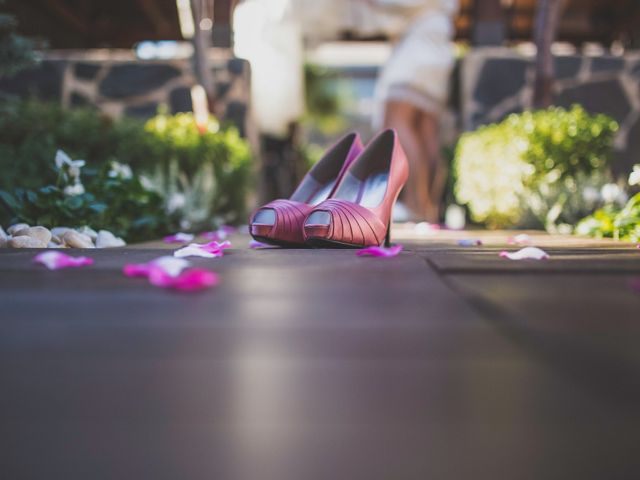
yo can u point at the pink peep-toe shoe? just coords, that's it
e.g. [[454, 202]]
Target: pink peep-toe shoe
[[358, 213], [280, 222]]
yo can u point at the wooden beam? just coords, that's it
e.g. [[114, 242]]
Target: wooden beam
[[68, 15], [157, 18]]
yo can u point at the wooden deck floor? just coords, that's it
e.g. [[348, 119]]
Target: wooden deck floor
[[445, 362]]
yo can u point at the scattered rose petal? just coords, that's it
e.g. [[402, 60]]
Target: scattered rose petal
[[193, 250], [188, 281], [57, 260], [380, 251], [170, 265], [257, 244], [206, 250], [521, 239], [179, 238], [635, 285], [469, 242], [219, 234], [527, 253]]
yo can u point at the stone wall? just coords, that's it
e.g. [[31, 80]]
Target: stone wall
[[498, 81], [119, 84]]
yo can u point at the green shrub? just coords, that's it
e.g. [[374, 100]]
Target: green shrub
[[106, 200], [16, 52], [530, 169], [211, 170], [32, 131], [611, 221]]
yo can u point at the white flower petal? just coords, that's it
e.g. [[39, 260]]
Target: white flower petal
[[171, 265], [62, 159], [527, 253], [634, 177], [193, 250], [520, 239], [73, 190]]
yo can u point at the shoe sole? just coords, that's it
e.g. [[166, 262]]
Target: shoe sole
[[278, 243]]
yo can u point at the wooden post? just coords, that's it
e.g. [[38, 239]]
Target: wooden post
[[201, 45], [545, 30]]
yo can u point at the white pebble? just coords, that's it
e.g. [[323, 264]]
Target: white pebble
[[106, 239], [41, 233], [14, 228], [59, 231], [74, 239], [89, 232], [26, 242]]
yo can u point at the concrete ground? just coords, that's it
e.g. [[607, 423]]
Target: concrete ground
[[445, 362]]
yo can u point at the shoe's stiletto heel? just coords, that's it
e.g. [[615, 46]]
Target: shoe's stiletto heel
[[358, 214], [387, 238], [280, 222]]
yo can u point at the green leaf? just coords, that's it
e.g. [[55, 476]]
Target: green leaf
[[98, 207], [32, 196], [49, 189], [10, 201], [73, 202]]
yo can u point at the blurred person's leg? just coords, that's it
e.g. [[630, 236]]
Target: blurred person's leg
[[410, 124], [411, 92], [428, 127]]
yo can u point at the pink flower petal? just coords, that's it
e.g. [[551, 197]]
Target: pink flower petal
[[188, 281], [193, 250], [170, 265], [55, 260], [635, 285], [469, 242], [527, 253], [206, 250], [215, 247], [219, 234], [380, 251], [521, 239], [214, 235], [179, 238], [257, 244], [136, 269]]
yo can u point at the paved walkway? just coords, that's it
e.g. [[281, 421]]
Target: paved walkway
[[445, 362]]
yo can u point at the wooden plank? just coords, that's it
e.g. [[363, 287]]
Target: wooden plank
[[312, 364]]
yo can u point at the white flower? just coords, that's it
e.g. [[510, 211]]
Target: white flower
[[75, 189], [146, 183], [120, 170], [590, 194], [610, 192], [634, 177], [176, 202], [63, 161]]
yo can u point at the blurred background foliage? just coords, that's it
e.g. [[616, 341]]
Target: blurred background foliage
[[533, 169], [200, 178], [16, 52]]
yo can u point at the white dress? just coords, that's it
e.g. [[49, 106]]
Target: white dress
[[417, 72]]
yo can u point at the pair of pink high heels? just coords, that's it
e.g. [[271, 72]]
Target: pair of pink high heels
[[345, 200]]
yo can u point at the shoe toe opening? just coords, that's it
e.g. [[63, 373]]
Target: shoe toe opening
[[318, 219], [266, 216]]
